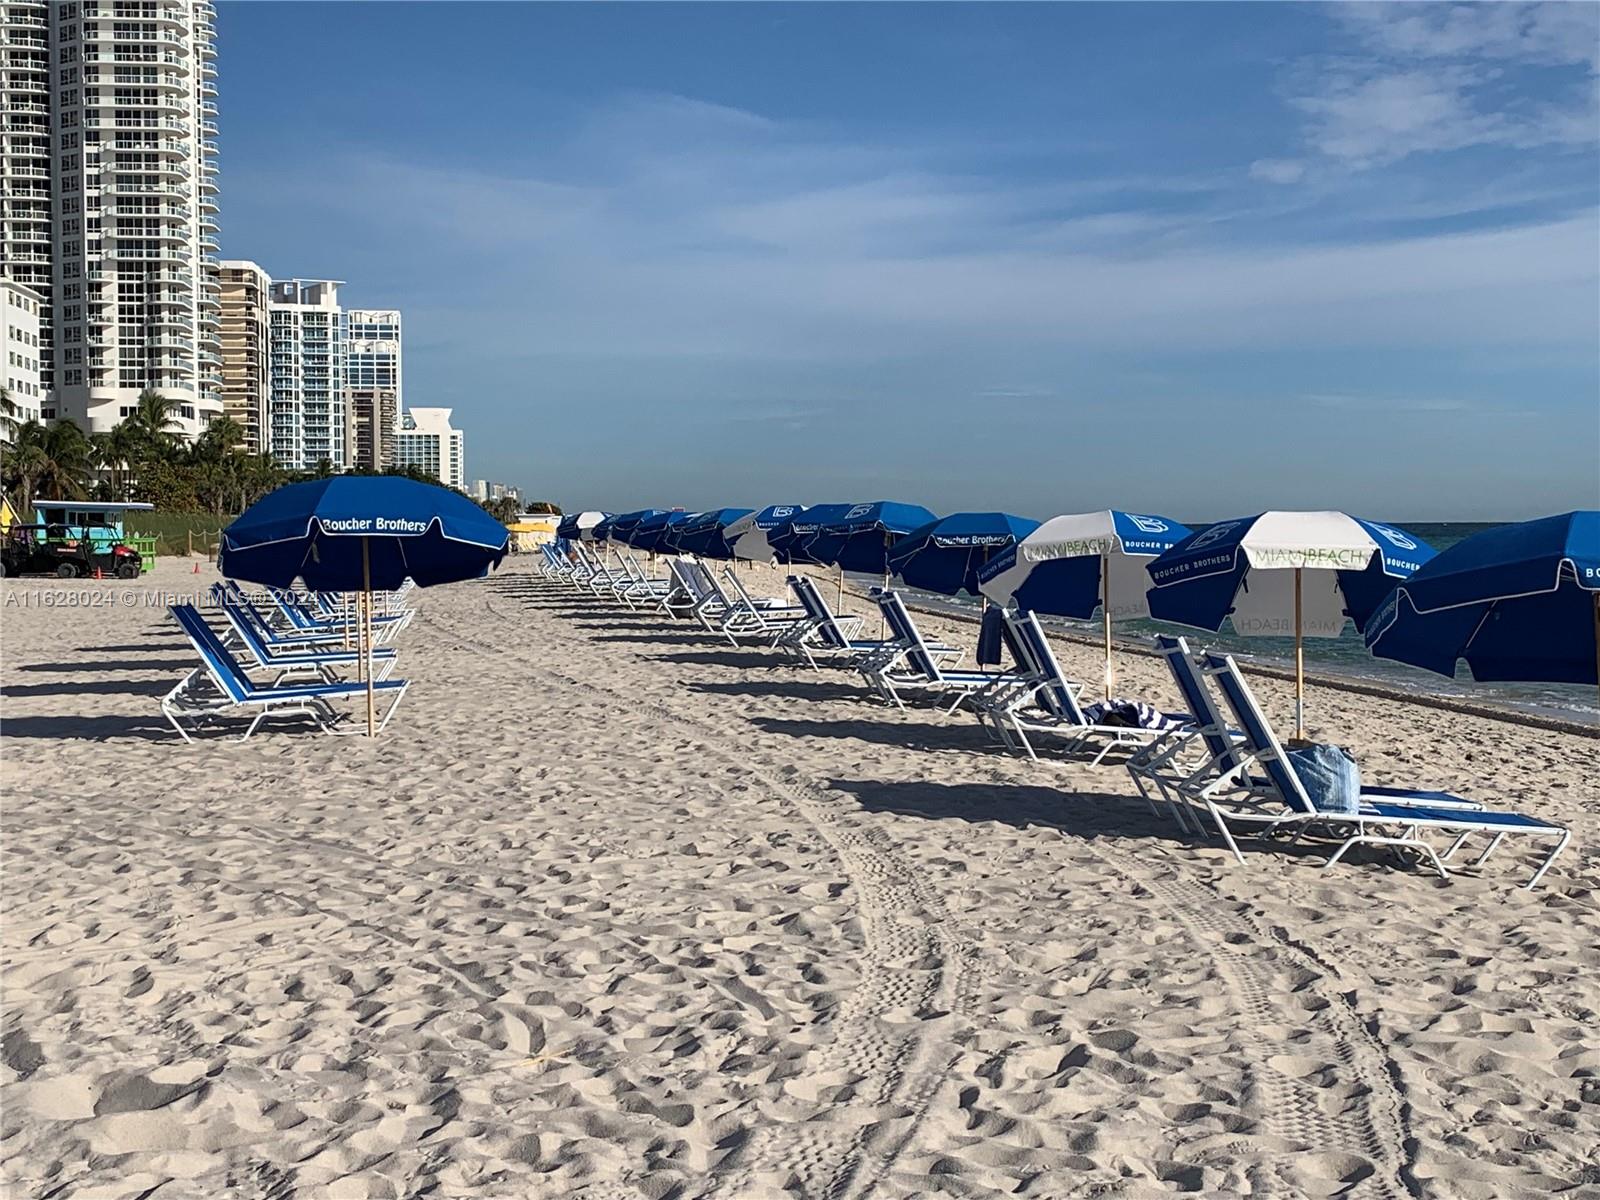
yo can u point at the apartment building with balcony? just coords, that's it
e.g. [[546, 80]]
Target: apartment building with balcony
[[428, 440], [306, 410], [134, 284], [372, 385], [26, 177], [246, 350]]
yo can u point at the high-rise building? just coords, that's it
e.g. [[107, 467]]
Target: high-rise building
[[20, 309], [372, 385], [427, 440], [246, 348], [25, 158], [306, 412], [134, 286]]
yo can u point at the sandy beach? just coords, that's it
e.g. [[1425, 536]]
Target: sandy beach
[[614, 910]]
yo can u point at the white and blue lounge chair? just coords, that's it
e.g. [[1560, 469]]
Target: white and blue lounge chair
[[915, 666], [221, 685], [1050, 704], [291, 659], [1276, 800]]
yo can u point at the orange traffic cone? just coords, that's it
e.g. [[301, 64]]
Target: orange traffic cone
[[197, 568], [97, 574]]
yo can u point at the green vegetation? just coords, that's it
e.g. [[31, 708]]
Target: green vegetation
[[197, 487]]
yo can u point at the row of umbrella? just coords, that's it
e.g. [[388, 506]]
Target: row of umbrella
[[1519, 602]]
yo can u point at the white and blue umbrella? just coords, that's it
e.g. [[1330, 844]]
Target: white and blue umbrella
[[580, 526], [1278, 574], [747, 536], [1077, 563], [1519, 602]]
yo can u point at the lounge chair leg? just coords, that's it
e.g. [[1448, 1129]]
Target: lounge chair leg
[[260, 717], [1566, 836], [1227, 834], [1493, 843], [1459, 842]]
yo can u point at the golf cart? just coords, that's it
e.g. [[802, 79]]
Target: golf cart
[[74, 553]]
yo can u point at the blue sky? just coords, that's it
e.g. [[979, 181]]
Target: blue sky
[[1193, 259]]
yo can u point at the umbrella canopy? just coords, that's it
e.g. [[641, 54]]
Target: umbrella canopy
[[647, 534], [669, 540], [1284, 573], [1074, 564], [861, 539], [789, 540], [1071, 564], [621, 528], [705, 533], [580, 526], [944, 556], [353, 533], [1519, 603], [747, 537]]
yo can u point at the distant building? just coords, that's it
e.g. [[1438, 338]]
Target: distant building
[[246, 341], [306, 416], [373, 394], [480, 490], [123, 221], [428, 441], [21, 309]]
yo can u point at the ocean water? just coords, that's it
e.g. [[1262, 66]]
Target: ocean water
[[1347, 654]]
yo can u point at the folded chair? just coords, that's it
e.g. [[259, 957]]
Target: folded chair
[[221, 685], [1276, 801]]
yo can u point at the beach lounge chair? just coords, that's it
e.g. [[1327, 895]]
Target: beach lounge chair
[[1276, 801], [748, 617], [640, 587], [290, 659], [220, 684], [296, 617], [1050, 704], [915, 666]]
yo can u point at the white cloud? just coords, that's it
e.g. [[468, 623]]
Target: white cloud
[[1443, 77], [1278, 170]]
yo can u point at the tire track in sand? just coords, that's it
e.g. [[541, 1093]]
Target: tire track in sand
[[915, 963]]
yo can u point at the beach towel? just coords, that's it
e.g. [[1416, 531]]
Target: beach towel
[[1332, 778], [1129, 714]]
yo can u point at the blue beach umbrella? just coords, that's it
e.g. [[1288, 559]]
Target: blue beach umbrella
[[789, 540], [1281, 573], [621, 528], [1076, 563], [861, 539], [944, 556], [1519, 603], [602, 531], [647, 534], [707, 533], [354, 533]]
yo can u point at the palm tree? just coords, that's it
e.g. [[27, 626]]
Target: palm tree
[[50, 462], [155, 422], [117, 452]]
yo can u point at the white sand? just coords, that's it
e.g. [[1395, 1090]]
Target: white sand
[[614, 911]]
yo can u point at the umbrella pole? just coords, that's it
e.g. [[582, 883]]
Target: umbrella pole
[[1597, 639], [1299, 666], [1105, 613], [366, 623]]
